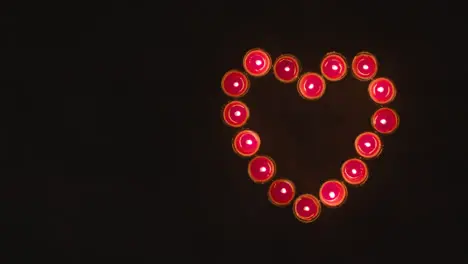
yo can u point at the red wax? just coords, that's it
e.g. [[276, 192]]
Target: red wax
[[368, 145], [306, 208], [354, 171], [235, 84], [382, 90], [246, 143], [235, 114], [281, 192], [257, 62], [286, 68], [385, 120], [334, 66], [333, 193], [364, 66], [311, 86], [261, 169]]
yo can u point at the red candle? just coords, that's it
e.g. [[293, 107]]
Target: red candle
[[246, 143], [261, 169], [364, 66], [286, 68], [235, 114], [385, 120], [235, 84], [382, 90], [354, 171], [334, 66], [311, 86], [306, 208], [368, 145], [281, 192], [333, 193], [257, 62]]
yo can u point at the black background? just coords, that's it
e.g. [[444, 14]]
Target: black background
[[113, 146]]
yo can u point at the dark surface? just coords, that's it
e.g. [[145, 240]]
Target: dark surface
[[113, 143]]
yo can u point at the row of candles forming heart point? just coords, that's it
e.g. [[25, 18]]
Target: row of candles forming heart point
[[311, 86]]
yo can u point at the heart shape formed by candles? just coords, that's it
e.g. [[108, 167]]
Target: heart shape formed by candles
[[310, 86]]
